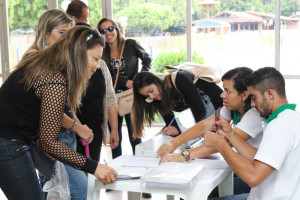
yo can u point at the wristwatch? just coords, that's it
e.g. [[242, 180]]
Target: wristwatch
[[186, 155]]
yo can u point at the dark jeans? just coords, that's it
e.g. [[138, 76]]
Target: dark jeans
[[18, 176], [239, 187], [118, 151]]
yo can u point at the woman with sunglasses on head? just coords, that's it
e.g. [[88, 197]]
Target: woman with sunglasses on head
[[32, 102], [51, 26], [129, 67], [236, 108]]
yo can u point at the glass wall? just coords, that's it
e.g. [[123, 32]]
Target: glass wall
[[22, 18], [228, 34], [289, 37], [159, 25], [95, 9]]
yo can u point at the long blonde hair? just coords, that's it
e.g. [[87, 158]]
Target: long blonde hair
[[68, 56], [47, 22]]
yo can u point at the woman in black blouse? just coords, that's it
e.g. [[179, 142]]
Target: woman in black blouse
[[32, 102], [133, 51], [153, 95]]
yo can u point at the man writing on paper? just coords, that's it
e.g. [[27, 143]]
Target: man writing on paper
[[273, 173]]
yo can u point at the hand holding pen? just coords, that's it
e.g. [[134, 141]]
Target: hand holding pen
[[169, 130]]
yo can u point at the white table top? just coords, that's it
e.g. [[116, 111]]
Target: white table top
[[207, 180]]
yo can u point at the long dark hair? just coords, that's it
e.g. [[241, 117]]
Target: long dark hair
[[143, 111], [120, 39]]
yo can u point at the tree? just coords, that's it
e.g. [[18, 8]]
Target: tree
[[25, 13], [147, 16]]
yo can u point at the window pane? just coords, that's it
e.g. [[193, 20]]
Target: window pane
[[23, 17], [95, 9], [289, 37], [158, 25], [293, 97], [236, 33]]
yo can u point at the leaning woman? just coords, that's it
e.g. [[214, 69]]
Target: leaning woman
[[32, 102], [153, 95]]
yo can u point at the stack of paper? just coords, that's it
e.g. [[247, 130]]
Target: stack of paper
[[173, 175]]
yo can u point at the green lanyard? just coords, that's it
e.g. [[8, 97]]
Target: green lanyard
[[279, 110], [236, 114]]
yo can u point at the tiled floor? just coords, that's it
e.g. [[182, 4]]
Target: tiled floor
[[106, 154]]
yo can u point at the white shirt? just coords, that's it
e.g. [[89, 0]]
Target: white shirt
[[280, 148], [250, 124]]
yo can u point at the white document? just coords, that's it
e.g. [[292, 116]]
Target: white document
[[173, 175], [185, 120], [133, 167], [141, 161]]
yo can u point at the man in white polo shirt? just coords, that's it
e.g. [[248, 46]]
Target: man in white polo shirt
[[274, 172]]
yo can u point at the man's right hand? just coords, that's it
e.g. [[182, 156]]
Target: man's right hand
[[164, 149], [105, 174]]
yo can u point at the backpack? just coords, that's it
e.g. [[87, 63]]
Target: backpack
[[209, 74]]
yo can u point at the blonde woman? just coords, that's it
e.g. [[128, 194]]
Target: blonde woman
[[32, 102], [51, 26]]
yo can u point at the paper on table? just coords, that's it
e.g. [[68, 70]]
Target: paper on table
[[173, 175], [133, 167], [140, 161]]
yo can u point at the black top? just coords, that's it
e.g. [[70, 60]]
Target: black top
[[27, 115], [91, 110], [188, 95], [133, 51]]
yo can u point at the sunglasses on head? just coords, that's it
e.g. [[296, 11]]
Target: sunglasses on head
[[110, 29]]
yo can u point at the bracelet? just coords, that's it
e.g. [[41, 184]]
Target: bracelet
[[73, 125], [230, 135]]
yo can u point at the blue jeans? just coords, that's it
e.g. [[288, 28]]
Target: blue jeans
[[77, 178], [243, 196], [18, 176]]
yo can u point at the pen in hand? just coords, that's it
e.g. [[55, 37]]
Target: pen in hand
[[105, 162], [172, 121], [160, 132]]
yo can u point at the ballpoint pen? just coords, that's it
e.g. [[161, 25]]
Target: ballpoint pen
[[105, 162], [172, 121]]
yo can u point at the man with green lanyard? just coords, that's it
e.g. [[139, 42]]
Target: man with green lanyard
[[273, 173]]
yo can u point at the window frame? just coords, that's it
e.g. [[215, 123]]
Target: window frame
[[107, 11]]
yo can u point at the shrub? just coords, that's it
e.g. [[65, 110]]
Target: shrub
[[173, 59]]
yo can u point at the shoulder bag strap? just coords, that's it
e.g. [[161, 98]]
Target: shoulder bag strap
[[120, 60]]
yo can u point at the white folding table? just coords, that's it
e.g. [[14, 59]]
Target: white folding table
[[200, 191]]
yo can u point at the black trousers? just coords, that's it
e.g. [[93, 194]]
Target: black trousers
[[118, 151]]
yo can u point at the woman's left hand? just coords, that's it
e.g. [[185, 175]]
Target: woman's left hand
[[84, 132], [172, 158], [169, 130], [114, 139], [129, 84]]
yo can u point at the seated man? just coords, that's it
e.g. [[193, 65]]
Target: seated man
[[273, 173]]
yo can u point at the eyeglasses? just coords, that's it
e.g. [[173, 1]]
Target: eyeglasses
[[110, 29]]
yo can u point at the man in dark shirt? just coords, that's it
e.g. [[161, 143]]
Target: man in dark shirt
[[78, 10]]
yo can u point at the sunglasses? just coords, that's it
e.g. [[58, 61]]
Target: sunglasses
[[110, 29]]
